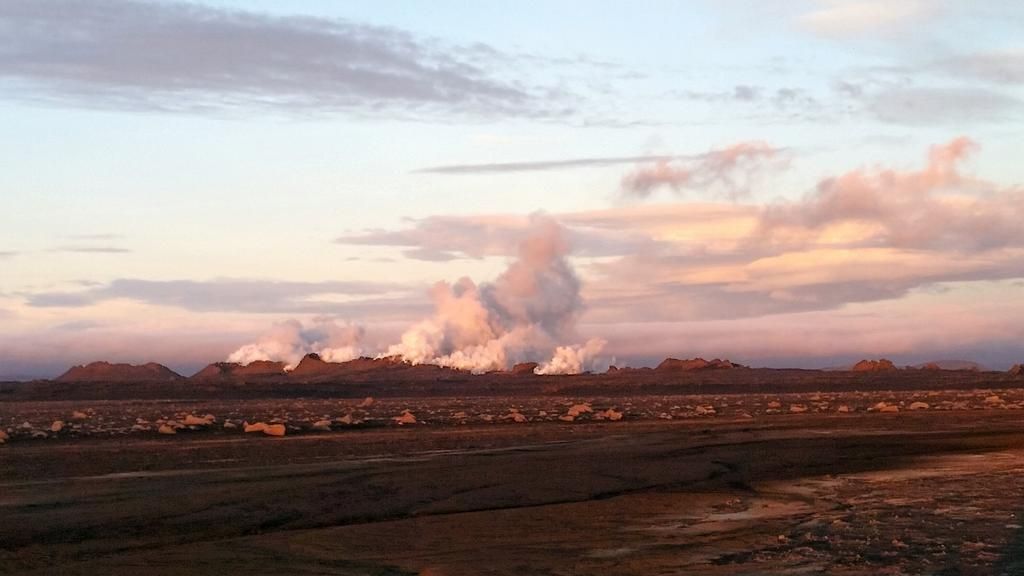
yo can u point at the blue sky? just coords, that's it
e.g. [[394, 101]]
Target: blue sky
[[165, 161]]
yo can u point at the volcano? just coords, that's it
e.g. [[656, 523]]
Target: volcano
[[108, 372]]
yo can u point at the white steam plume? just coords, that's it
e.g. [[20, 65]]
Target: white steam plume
[[574, 359], [525, 314], [289, 341]]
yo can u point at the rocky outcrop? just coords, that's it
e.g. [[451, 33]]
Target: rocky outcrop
[[677, 365], [233, 370], [950, 365], [524, 368], [881, 365], [312, 365], [1017, 370], [107, 372]]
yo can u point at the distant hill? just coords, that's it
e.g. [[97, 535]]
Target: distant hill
[[880, 365], [233, 370], [107, 372], [950, 365], [677, 365]]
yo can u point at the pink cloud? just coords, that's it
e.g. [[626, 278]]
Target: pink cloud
[[727, 171]]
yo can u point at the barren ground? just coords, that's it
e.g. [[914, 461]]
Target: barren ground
[[788, 483]]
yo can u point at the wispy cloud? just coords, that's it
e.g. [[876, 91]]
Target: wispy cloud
[[855, 17], [441, 238], [94, 237], [712, 157], [86, 249], [353, 298], [727, 171], [865, 235], [545, 165], [930, 105], [178, 56]]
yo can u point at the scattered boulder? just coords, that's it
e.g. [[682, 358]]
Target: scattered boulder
[[609, 414], [407, 417], [3, 436], [367, 402], [347, 420], [79, 416], [165, 429], [229, 425], [274, 430], [797, 408], [705, 410], [515, 416], [57, 426], [884, 407], [191, 420], [322, 426], [918, 406], [994, 400], [257, 427], [881, 365], [1017, 370], [843, 409], [576, 409]]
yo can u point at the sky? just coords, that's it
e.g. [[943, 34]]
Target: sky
[[577, 183]]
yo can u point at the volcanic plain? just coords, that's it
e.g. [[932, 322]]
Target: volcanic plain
[[378, 467]]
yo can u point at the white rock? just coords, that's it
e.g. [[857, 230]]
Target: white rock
[[919, 406], [797, 408], [407, 417], [191, 420], [322, 425], [515, 417], [274, 430], [577, 409], [228, 424]]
